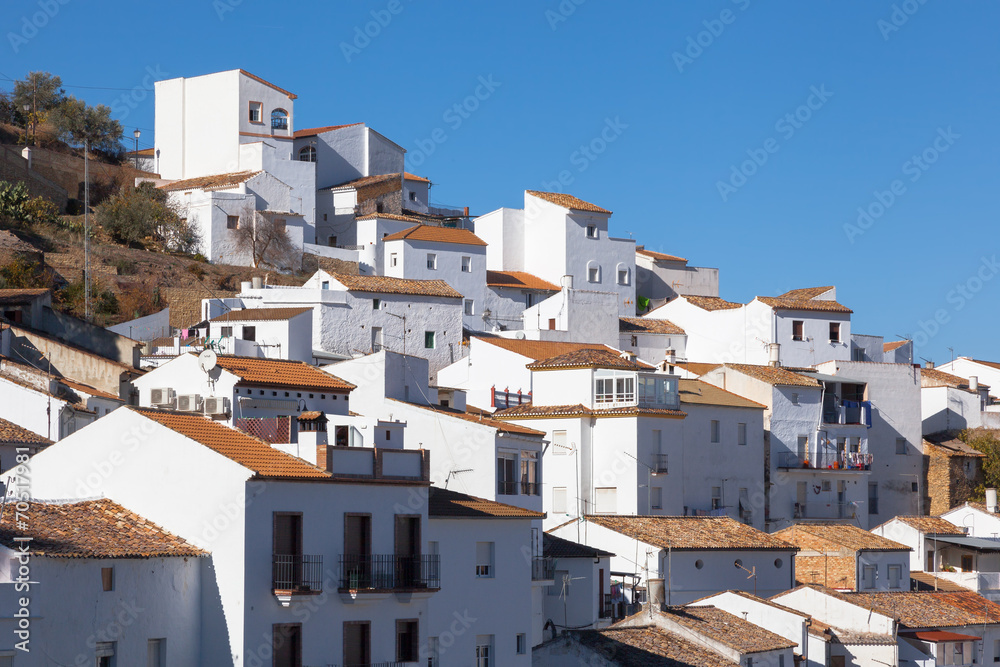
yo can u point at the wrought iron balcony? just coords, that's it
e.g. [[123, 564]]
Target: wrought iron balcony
[[506, 488], [530, 488], [826, 461], [660, 464], [542, 569], [389, 572], [297, 574]]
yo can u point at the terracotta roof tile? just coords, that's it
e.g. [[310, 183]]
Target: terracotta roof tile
[[775, 375], [728, 629], [311, 416], [87, 389], [696, 367], [932, 582], [696, 392], [214, 182], [991, 364], [519, 279], [452, 504], [648, 325], [11, 433], [648, 646], [641, 250], [365, 181], [529, 411], [9, 297], [413, 177], [822, 537], [538, 349], [260, 314], [567, 201], [386, 285], [588, 358], [930, 524], [785, 303], [92, 529], [806, 292], [476, 416], [282, 373], [251, 453], [557, 547], [889, 347], [711, 302], [436, 235], [925, 609], [691, 533], [313, 131], [388, 216], [932, 377], [947, 444]]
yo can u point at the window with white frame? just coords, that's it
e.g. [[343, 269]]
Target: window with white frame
[[484, 651], [469, 307], [521, 642], [105, 654], [624, 274], [393, 259], [593, 272], [156, 653], [591, 231], [613, 387], [559, 500], [530, 482], [307, 154], [606, 500], [507, 473], [254, 115], [484, 559], [279, 119], [560, 445], [716, 497], [432, 261], [433, 652], [466, 265]]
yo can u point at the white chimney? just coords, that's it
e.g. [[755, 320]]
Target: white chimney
[[245, 286], [258, 282], [973, 383], [567, 282], [774, 354], [929, 364], [991, 500], [671, 356]]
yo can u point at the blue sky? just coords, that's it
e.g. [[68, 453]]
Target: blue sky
[[683, 92]]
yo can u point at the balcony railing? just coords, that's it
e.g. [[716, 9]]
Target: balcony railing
[[530, 488], [506, 398], [815, 509], [389, 572], [660, 464], [607, 609], [826, 461], [542, 569], [506, 488], [299, 574]]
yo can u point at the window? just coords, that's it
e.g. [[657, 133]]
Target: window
[[307, 154], [249, 333], [803, 447], [466, 265], [858, 354], [7, 659], [559, 445], [256, 109], [967, 565], [429, 340], [873, 497], [895, 575], [331, 240], [901, 445], [376, 304], [432, 261], [484, 651], [741, 434], [716, 497], [521, 643], [606, 500], [357, 642], [623, 276], [591, 231], [868, 577], [552, 324], [506, 474], [656, 498], [797, 326], [795, 399], [529, 474], [279, 225], [716, 437], [407, 641], [413, 196], [325, 284], [107, 578], [484, 559], [469, 306], [559, 500], [279, 119], [232, 222], [156, 653], [393, 259], [105, 654], [635, 341], [834, 332], [594, 274], [433, 652]]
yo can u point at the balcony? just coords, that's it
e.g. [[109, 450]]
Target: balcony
[[815, 509], [844, 461], [378, 463], [296, 575], [542, 569], [660, 464], [506, 488], [388, 572], [507, 398], [530, 488]]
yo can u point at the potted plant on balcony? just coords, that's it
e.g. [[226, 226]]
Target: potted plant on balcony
[[805, 463]]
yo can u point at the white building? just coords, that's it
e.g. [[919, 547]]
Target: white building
[[977, 520], [582, 595], [17, 441], [572, 314], [45, 405], [509, 293], [661, 277], [272, 333], [800, 328], [106, 587], [693, 556], [951, 403], [652, 340], [986, 372], [558, 235]]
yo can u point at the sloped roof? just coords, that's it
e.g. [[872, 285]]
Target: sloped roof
[[454, 505], [889, 347], [91, 529], [257, 455], [806, 292], [413, 177], [932, 377], [214, 182], [386, 285], [697, 367], [926, 609], [538, 349], [947, 443], [648, 646], [291, 96], [648, 325], [728, 629], [991, 364], [260, 314], [557, 547], [436, 235], [364, 180], [934, 525], [476, 416], [282, 373], [696, 392], [691, 533], [844, 535], [519, 279], [775, 375], [313, 131], [10, 297], [11, 433], [87, 389], [588, 358], [660, 256], [786, 303], [711, 302], [568, 201], [388, 216]]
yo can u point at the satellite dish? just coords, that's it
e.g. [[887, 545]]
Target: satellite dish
[[519, 335], [208, 360]]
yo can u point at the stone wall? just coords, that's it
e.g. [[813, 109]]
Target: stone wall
[[947, 482], [14, 168]]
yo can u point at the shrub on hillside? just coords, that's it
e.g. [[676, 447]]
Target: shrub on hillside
[[19, 208], [22, 273], [143, 214]]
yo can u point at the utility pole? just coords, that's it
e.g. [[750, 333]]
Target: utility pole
[[86, 229]]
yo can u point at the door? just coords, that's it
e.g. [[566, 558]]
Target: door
[[601, 605], [286, 641], [356, 570], [407, 551], [841, 497], [357, 643], [287, 550], [376, 339]]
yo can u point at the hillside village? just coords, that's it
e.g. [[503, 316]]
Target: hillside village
[[389, 433]]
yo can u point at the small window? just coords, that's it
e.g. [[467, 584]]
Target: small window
[[429, 340], [591, 231], [466, 265], [741, 434], [901, 446], [256, 109], [623, 276], [279, 119], [469, 303], [331, 240], [485, 552], [635, 341], [156, 653], [559, 500], [413, 196], [432, 261], [484, 651], [227, 332], [388, 435], [393, 259], [656, 498], [522, 643], [105, 654], [249, 333], [280, 224], [607, 500], [716, 497], [107, 578], [896, 575], [552, 324], [594, 274], [716, 437], [308, 154], [376, 304], [834, 332], [797, 326], [232, 222], [795, 399], [873, 497], [868, 577]]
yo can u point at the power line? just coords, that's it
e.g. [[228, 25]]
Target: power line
[[66, 85]]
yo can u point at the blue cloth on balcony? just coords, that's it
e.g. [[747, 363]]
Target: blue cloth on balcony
[[865, 405]]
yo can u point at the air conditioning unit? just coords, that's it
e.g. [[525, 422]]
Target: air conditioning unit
[[162, 397], [189, 402], [216, 406]]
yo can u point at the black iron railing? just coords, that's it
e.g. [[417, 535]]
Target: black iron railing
[[542, 569], [505, 488], [529, 489], [660, 463], [388, 571], [608, 608], [302, 574]]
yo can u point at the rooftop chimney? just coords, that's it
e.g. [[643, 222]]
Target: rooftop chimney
[[774, 354], [991, 500], [567, 282], [928, 364], [973, 383]]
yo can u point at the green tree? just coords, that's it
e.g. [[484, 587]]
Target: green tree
[[135, 215], [40, 93], [987, 442], [76, 123]]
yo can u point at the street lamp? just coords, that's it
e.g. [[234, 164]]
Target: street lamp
[[27, 116], [135, 134]]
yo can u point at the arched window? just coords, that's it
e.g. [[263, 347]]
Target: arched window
[[307, 154], [624, 273], [279, 119], [593, 272]]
